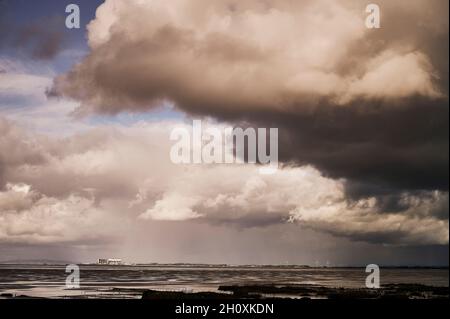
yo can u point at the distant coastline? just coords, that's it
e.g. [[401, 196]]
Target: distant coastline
[[46, 262]]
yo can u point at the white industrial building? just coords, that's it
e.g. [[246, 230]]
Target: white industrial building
[[110, 261]]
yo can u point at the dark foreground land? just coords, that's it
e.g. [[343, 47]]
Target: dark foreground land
[[391, 291]]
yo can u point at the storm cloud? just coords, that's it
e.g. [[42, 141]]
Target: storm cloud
[[366, 105]]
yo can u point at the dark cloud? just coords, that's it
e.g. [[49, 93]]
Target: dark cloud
[[391, 145], [42, 39]]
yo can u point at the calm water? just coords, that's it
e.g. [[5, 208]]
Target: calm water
[[129, 281]]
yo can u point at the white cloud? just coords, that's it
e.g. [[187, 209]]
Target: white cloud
[[236, 56], [27, 216], [364, 222], [23, 99], [391, 75]]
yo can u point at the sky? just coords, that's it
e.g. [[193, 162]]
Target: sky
[[362, 114]]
